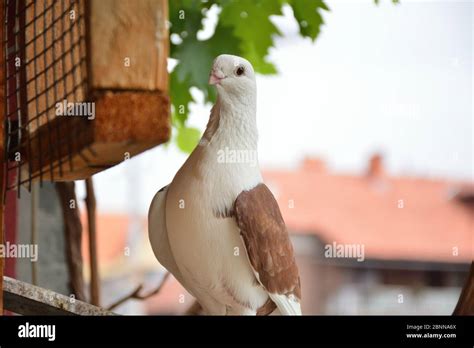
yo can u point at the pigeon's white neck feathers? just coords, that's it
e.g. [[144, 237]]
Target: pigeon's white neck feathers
[[226, 159], [233, 123]]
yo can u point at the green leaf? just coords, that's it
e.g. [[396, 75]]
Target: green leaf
[[395, 2], [260, 63], [185, 15], [180, 99], [195, 60], [187, 138], [251, 23], [308, 16]]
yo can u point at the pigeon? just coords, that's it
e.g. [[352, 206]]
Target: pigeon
[[217, 227]]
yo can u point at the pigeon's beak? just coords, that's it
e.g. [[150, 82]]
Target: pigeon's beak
[[216, 77]]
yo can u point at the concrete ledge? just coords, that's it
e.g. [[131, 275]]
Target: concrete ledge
[[26, 299]]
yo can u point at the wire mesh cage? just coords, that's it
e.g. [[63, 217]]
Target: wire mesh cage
[[63, 58], [45, 68], [66, 58]]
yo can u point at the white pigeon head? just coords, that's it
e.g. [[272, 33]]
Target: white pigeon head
[[233, 75]]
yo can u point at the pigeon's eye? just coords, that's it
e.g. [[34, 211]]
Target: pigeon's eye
[[240, 71]]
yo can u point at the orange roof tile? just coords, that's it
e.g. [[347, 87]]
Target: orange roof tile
[[394, 218]]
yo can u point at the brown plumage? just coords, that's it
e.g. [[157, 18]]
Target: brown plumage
[[267, 241]]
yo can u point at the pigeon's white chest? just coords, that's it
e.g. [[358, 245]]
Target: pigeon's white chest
[[207, 246]]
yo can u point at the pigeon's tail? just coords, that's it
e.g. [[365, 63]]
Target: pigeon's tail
[[287, 305]]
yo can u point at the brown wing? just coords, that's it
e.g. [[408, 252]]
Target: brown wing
[[266, 239]]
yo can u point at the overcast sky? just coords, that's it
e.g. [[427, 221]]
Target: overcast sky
[[395, 79]]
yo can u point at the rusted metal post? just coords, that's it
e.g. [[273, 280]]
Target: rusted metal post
[[73, 235], [91, 224]]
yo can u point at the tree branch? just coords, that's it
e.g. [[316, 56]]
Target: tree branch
[[136, 293]]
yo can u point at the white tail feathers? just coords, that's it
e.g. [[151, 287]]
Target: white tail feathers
[[288, 305]]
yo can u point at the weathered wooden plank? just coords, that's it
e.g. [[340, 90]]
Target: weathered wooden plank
[[129, 44], [125, 124], [54, 61], [27, 299]]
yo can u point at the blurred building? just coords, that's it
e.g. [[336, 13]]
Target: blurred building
[[365, 244], [416, 236]]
